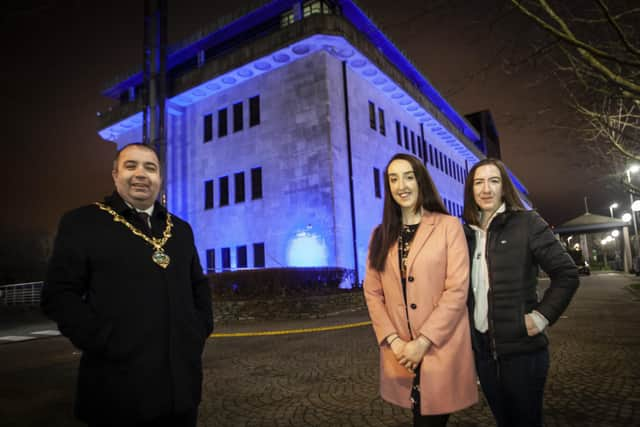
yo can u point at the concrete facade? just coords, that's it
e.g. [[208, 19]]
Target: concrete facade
[[313, 207]]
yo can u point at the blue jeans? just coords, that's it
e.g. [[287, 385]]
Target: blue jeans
[[513, 385]]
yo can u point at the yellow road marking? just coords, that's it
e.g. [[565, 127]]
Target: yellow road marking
[[289, 331]]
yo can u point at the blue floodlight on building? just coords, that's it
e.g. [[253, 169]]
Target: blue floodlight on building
[[286, 116]]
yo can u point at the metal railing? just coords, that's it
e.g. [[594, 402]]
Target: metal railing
[[21, 293]]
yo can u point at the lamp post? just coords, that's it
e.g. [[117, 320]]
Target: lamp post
[[633, 169], [612, 207]]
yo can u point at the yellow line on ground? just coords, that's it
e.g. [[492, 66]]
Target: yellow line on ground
[[288, 331]]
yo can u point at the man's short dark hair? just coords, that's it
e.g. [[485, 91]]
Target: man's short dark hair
[[133, 144]]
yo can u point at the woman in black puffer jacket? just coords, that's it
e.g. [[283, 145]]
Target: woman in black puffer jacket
[[507, 245]]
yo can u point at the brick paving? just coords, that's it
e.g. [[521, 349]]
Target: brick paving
[[331, 378]]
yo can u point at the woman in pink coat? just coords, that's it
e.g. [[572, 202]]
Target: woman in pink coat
[[416, 291]]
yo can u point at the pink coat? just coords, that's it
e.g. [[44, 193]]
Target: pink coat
[[438, 262]]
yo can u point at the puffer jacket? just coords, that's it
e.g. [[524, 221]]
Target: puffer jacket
[[518, 243]]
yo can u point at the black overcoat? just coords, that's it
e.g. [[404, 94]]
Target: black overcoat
[[141, 328]]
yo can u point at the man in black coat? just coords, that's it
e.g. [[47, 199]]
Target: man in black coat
[[125, 285]]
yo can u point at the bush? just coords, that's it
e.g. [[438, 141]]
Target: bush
[[278, 282]]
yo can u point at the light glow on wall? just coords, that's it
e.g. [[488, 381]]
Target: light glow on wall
[[307, 249]]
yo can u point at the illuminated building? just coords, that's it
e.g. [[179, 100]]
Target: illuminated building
[[279, 125]]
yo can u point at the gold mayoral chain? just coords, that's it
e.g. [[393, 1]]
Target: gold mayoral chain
[[159, 256]]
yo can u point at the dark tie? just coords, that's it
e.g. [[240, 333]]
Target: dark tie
[[144, 222]]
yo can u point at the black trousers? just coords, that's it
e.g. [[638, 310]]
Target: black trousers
[[513, 384], [184, 419]]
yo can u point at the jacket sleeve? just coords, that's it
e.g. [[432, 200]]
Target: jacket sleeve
[[65, 287], [556, 262], [375, 299], [201, 291], [452, 305]]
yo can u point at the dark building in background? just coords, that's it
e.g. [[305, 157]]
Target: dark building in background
[[489, 142]]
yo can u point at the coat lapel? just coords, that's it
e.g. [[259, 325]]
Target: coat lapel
[[423, 232], [392, 259]]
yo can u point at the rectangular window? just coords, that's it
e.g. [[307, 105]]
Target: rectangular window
[[256, 183], [419, 146], [372, 115], [239, 186], [208, 194], [207, 128], [424, 151], [383, 127], [398, 133], [376, 183], [441, 161], [226, 258], [258, 255], [224, 190], [431, 154], [211, 260], [413, 142], [450, 171], [254, 111], [237, 117], [241, 256], [222, 123], [406, 137]]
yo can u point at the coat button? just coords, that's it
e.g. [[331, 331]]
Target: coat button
[[410, 278], [413, 306]]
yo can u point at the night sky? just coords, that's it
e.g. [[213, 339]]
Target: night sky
[[59, 55]]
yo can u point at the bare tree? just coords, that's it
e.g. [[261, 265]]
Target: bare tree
[[599, 65]]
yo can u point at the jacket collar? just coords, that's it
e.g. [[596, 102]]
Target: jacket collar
[[118, 204]]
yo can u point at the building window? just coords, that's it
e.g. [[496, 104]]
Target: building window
[[241, 256], [222, 123], [424, 151], [413, 142], [211, 260], [315, 6], [237, 117], [372, 115], [419, 147], [406, 137], [208, 128], [383, 127], [258, 255], [224, 190], [239, 186], [441, 161], [431, 154], [254, 111], [208, 194], [226, 258], [398, 133], [286, 19], [256, 183], [376, 183]]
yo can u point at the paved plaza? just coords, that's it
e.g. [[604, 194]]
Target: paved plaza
[[330, 377]]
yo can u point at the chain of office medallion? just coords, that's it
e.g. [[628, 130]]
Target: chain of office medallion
[[153, 241]]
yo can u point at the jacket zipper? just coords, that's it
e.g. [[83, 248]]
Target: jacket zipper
[[492, 338]]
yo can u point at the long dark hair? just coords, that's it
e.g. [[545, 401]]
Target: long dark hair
[[510, 196], [387, 233]]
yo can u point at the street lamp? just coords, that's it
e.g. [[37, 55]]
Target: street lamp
[[612, 207], [626, 217]]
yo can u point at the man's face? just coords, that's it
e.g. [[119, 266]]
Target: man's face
[[137, 176], [487, 188]]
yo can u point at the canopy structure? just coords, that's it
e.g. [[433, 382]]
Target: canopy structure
[[589, 223]]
